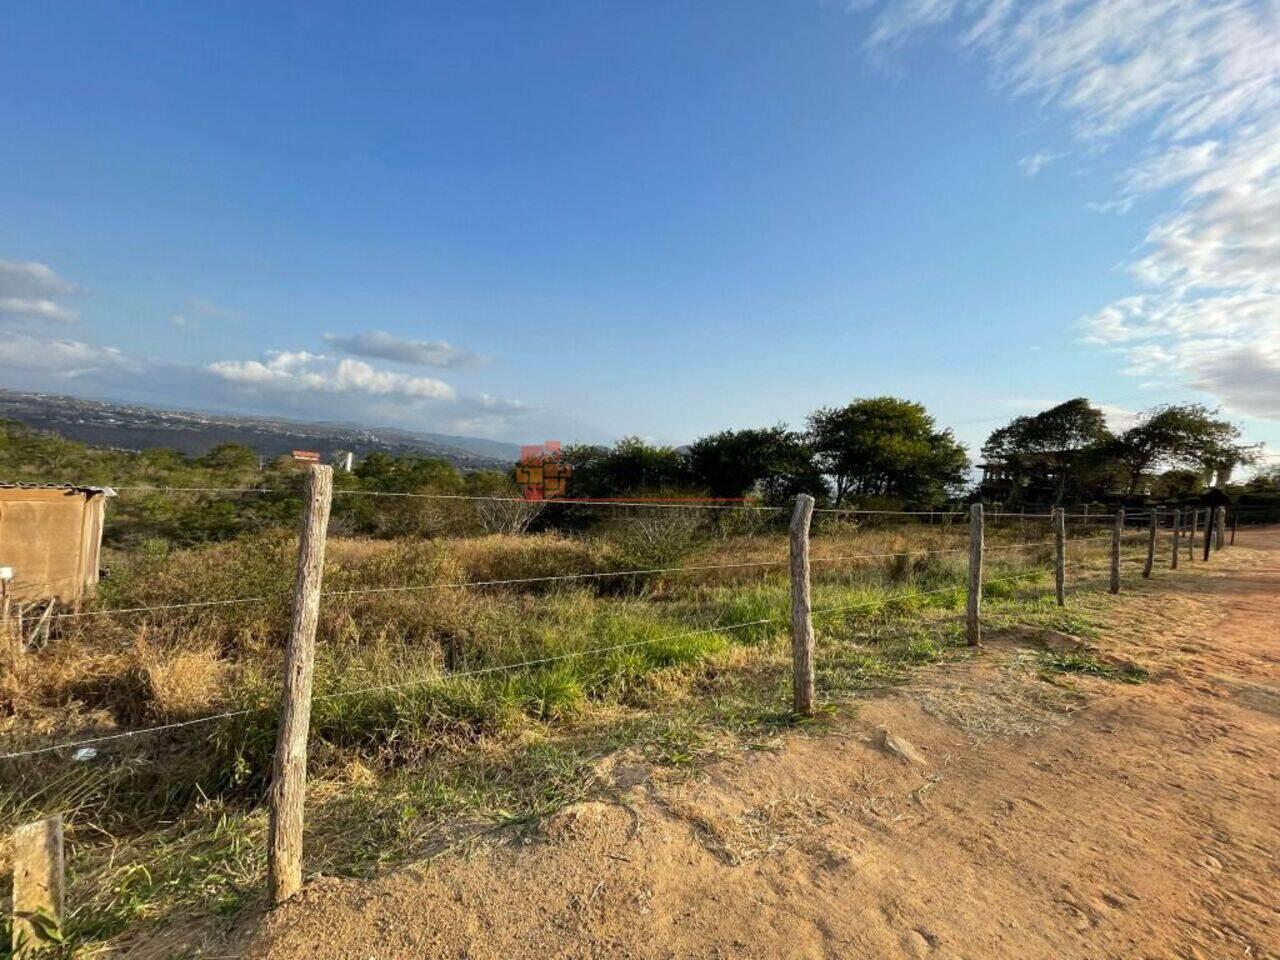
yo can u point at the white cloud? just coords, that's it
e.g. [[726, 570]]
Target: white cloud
[[214, 311], [384, 346], [68, 358], [27, 308], [1034, 163], [1119, 419], [28, 291], [304, 372], [31, 280], [1200, 80]]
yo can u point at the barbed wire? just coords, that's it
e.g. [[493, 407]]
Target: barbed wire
[[444, 678], [555, 501], [864, 604], [551, 578], [109, 611], [993, 513]]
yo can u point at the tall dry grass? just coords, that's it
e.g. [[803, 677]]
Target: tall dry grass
[[395, 626]]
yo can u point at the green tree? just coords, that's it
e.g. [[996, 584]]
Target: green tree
[[733, 463], [1178, 435], [886, 447], [230, 458], [629, 467], [1057, 450], [1178, 484], [1265, 481]]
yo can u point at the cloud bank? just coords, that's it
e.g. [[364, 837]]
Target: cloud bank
[[378, 345], [1199, 82], [303, 372], [30, 291], [298, 382]]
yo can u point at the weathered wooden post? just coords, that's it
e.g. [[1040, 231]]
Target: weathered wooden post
[[1151, 545], [1210, 515], [38, 869], [1117, 531], [1191, 536], [801, 609], [1060, 555], [1220, 539], [1175, 537], [1235, 520], [973, 609], [289, 771]]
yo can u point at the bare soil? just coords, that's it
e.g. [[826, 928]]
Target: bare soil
[[1071, 816]]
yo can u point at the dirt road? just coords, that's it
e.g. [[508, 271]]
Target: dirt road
[[1097, 819]]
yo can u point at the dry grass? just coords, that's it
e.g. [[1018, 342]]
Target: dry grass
[[166, 822]]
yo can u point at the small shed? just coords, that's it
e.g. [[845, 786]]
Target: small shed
[[51, 537]]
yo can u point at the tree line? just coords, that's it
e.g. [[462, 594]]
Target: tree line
[[872, 452], [886, 450], [878, 448]]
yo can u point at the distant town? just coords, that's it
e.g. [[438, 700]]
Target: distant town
[[137, 427]]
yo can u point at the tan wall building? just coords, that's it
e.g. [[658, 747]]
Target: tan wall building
[[52, 538]]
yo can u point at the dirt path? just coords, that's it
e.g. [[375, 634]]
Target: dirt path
[[1111, 820]]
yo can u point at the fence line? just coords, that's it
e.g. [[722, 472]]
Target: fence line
[[287, 792], [997, 513], [160, 728], [497, 668], [550, 578], [560, 501]]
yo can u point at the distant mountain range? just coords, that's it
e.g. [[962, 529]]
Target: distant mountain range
[[135, 427]]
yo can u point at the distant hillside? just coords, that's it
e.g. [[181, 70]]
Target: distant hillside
[[134, 427]]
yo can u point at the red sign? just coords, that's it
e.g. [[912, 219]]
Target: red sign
[[306, 456]]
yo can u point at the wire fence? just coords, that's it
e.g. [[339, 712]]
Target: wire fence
[[308, 600]]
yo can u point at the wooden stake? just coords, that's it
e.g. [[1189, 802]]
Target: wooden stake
[[1117, 531], [1060, 555], [1220, 540], [801, 607], [974, 608], [1191, 537], [38, 868], [1235, 520], [1177, 534], [1209, 516], [1151, 545], [289, 772]]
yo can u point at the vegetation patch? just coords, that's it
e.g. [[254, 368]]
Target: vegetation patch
[[1057, 663]]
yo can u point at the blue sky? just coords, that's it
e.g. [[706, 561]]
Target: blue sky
[[582, 220]]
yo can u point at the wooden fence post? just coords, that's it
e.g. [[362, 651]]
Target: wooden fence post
[[1191, 536], [1235, 520], [1210, 515], [801, 609], [289, 771], [1220, 539], [38, 868], [1175, 538], [1151, 545], [1117, 531], [973, 609], [1060, 555]]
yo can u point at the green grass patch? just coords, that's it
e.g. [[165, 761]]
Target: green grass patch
[[1063, 663]]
